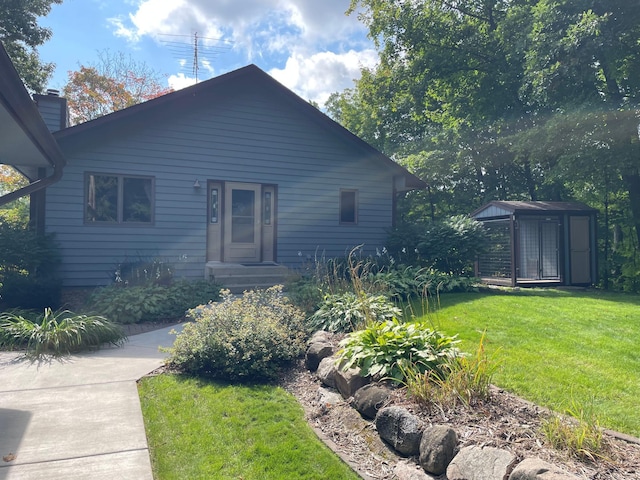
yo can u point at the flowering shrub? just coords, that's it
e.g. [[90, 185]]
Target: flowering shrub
[[251, 337]]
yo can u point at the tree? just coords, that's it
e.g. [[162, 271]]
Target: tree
[[21, 35], [16, 212], [115, 82], [507, 99]]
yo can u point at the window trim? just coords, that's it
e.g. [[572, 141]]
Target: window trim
[[120, 211], [355, 206]]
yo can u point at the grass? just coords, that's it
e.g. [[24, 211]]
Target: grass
[[556, 348], [201, 429]]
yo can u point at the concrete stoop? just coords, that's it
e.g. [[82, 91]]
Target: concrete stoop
[[238, 277]]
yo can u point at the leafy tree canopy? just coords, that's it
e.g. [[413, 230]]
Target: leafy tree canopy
[[115, 82], [21, 35]]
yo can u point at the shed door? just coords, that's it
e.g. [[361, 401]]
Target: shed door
[[242, 232], [580, 251]]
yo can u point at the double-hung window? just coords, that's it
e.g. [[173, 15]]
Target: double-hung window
[[112, 198]]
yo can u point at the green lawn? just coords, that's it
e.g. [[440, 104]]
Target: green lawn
[[199, 429], [557, 347]]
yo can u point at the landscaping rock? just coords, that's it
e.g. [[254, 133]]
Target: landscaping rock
[[315, 353], [327, 371], [478, 463], [410, 471], [536, 469], [329, 398], [401, 429], [369, 399], [348, 382], [321, 336], [437, 448]]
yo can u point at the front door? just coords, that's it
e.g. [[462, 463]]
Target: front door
[[242, 222]]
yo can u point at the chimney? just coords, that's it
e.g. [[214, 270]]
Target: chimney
[[53, 109]]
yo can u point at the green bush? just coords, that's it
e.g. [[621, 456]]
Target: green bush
[[248, 338], [28, 268], [348, 311], [152, 302], [305, 293], [449, 246], [57, 333], [389, 349], [403, 283]]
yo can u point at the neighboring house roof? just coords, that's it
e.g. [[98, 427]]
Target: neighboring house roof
[[500, 207], [25, 140], [229, 82]]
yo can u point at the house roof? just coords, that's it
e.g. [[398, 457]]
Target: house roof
[[25, 140], [250, 73], [500, 208]]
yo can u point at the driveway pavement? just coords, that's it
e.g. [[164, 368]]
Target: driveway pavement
[[78, 418]]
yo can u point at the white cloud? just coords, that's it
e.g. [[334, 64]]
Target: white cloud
[[180, 81], [318, 48], [317, 76]]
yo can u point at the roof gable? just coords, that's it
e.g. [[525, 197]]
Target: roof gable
[[499, 208], [234, 83]]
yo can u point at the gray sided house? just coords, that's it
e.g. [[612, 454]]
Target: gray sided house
[[234, 170], [538, 243]]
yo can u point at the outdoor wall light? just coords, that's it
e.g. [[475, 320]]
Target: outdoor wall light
[[196, 184]]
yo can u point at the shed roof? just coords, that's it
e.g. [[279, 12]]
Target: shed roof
[[498, 208]]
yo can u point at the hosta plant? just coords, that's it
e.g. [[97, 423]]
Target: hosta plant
[[57, 333], [349, 311], [391, 348]]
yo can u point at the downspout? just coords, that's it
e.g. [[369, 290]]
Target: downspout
[[34, 186]]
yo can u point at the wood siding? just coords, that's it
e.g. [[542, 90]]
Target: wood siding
[[241, 138]]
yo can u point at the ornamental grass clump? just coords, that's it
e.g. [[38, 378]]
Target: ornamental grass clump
[[392, 348], [57, 333], [248, 338]]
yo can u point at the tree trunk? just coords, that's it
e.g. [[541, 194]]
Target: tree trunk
[[632, 184]]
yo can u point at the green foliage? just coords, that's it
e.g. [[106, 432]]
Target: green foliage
[[28, 268], [579, 434], [305, 293], [460, 380], [388, 349], [57, 333], [151, 302], [348, 311], [449, 246], [248, 338], [20, 34]]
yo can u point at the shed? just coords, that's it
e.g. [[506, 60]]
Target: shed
[[538, 243]]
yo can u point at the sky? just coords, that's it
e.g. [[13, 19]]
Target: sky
[[310, 46]]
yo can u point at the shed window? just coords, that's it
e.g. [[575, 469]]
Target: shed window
[[118, 199], [349, 207]]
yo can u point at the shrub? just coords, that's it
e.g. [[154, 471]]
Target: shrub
[[449, 245], [28, 268], [151, 302], [305, 293], [251, 337], [57, 333], [388, 349], [403, 283], [348, 311]]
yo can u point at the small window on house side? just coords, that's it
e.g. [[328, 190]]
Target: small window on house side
[[348, 207], [118, 199]]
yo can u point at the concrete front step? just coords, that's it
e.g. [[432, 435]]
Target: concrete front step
[[238, 278]]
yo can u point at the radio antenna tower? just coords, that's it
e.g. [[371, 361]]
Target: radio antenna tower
[[202, 52]]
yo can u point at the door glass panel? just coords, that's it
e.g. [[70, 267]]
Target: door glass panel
[[242, 216], [549, 248]]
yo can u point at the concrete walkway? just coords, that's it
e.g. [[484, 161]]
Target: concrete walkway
[[80, 417]]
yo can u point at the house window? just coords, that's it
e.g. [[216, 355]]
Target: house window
[[214, 205], [348, 207], [118, 199]]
